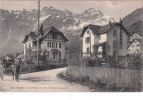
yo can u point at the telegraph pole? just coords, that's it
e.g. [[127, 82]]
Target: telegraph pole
[[38, 34], [142, 48]]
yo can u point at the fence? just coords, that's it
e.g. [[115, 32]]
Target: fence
[[120, 78]]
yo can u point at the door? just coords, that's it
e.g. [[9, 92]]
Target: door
[[55, 55]]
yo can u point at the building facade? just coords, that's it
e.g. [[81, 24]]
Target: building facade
[[51, 44], [117, 37], [135, 47], [108, 40]]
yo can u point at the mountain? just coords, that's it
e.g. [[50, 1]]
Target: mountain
[[16, 24], [135, 16], [133, 21]]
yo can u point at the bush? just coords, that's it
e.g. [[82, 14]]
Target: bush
[[88, 62]]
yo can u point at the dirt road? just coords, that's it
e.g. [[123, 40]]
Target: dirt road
[[44, 81]]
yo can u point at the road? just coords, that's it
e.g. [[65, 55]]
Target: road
[[44, 81]]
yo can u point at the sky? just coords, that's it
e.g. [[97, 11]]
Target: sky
[[112, 8]]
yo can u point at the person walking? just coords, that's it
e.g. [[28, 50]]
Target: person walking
[[18, 67]]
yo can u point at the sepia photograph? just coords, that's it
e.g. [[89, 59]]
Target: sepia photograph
[[71, 45]]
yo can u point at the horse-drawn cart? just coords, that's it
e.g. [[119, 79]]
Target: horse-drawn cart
[[7, 66]]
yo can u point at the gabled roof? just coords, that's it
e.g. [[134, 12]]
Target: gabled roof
[[32, 35], [108, 28], [138, 33], [96, 29], [93, 28], [104, 29], [133, 42], [52, 30]]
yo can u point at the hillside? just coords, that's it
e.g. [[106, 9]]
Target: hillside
[[133, 21], [16, 24]]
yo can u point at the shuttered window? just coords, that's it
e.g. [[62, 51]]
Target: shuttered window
[[121, 38], [60, 45], [87, 40], [87, 50], [59, 54]]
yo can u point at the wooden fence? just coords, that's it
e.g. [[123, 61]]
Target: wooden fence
[[121, 78]]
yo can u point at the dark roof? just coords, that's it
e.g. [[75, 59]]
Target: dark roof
[[121, 25], [139, 40], [93, 28], [32, 35], [53, 30], [102, 29]]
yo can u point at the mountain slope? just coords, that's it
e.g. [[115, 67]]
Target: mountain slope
[[16, 24], [133, 21]]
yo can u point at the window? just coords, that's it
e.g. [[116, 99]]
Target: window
[[30, 45], [50, 44], [34, 43], [56, 45], [132, 45], [59, 54], [114, 33], [87, 31], [138, 45], [87, 40], [121, 39], [60, 45], [87, 50]]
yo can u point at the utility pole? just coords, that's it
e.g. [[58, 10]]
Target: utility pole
[[142, 47], [38, 34], [90, 45]]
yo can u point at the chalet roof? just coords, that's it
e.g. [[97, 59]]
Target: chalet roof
[[33, 35], [133, 42], [96, 29], [52, 30]]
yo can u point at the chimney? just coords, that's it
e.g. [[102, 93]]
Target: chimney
[[110, 23], [120, 21]]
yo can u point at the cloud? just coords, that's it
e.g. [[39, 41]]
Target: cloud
[[110, 4]]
